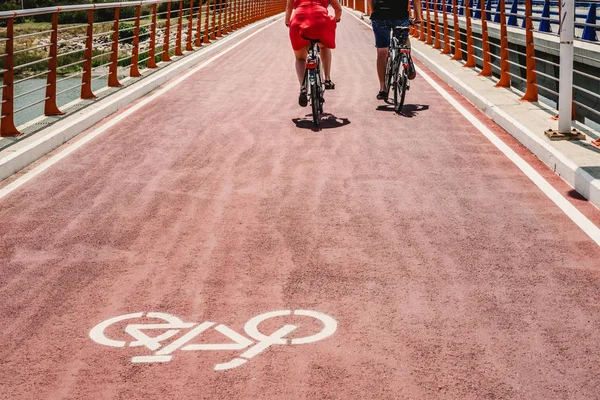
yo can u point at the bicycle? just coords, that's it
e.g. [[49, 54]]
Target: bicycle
[[313, 80], [398, 56]]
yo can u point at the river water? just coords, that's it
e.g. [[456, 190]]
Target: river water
[[37, 110]]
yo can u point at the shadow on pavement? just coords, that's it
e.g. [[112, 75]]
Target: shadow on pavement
[[586, 146], [328, 121], [409, 110], [575, 195]]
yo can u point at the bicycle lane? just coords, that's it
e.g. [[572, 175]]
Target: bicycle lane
[[450, 275]]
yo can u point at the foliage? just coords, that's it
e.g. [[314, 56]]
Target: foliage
[[126, 32]]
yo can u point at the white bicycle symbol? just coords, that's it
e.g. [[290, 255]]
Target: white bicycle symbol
[[173, 325]]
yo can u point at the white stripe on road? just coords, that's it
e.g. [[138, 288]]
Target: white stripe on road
[[569, 209]]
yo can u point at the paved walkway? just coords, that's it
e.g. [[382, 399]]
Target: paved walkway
[[437, 268]]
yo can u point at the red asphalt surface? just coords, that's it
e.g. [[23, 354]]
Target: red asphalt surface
[[449, 273]]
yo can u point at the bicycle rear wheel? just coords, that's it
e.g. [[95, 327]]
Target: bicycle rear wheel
[[389, 67], [315, 101], [400, 90]]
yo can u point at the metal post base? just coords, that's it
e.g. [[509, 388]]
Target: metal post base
[[573, 135]]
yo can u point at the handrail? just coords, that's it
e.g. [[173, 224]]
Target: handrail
[[120, 46], [496, 58]]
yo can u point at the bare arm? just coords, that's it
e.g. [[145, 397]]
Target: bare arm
[[337, 7], [418, 14], [288, 11]]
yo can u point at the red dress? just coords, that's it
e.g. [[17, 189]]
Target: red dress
[[311, 20]]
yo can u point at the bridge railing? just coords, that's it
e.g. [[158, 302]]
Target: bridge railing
[[517, 44], [97, 53]]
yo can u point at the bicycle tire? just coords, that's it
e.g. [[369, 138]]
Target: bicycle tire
[[395, 85], [315, 101], [321, 91], [400, 91]]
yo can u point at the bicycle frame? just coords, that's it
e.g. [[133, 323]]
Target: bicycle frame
[[398, 66], [313, 63], [397, 47]]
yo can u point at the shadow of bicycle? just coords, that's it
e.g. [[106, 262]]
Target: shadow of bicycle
[[328, 121], [408, 111]]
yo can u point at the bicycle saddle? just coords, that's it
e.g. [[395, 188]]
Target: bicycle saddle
[[309, 39]]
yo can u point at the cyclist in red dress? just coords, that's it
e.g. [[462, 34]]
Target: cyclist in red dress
[[311, 20]]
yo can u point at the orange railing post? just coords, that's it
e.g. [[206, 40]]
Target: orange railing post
[[447, 48], [249, 12], [422, 35], [486, 69], [198, 42], [213, 30], [470, 50], [134, 71], [190, 29], [531, 93], [224, 31], [152, 49], [113, 80], [429, 36], [206, 22], [231, 13], [7, 123], [241, 4], [50, 107], [219, 30], [86, 78], [167, 38], [438, 42], [504, 64], [238, 13], [415, 30], [179, 37], [457, 44]]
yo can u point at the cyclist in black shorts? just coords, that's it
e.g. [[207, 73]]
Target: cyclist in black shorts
[[385, 15]]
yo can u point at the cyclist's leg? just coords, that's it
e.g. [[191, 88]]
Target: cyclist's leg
[[326, 59], [382, 54], [381, 30], [301, 56]]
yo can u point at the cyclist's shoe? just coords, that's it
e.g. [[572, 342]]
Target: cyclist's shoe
[[303, 98], [329, 85], [382, 95], [412, 73]]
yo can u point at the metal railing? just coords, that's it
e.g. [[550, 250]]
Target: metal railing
[[519, 58], [148, 39]]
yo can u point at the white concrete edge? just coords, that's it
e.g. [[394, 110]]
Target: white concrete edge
[[46, 140], [580, 180]]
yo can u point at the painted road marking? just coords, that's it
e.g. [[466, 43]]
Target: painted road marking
[[173, 325], [569, 209]]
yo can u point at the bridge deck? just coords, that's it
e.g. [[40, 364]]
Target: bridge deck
[[449, 272]]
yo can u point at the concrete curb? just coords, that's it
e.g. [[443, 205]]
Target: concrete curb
[[43, 142], [579, 179]]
